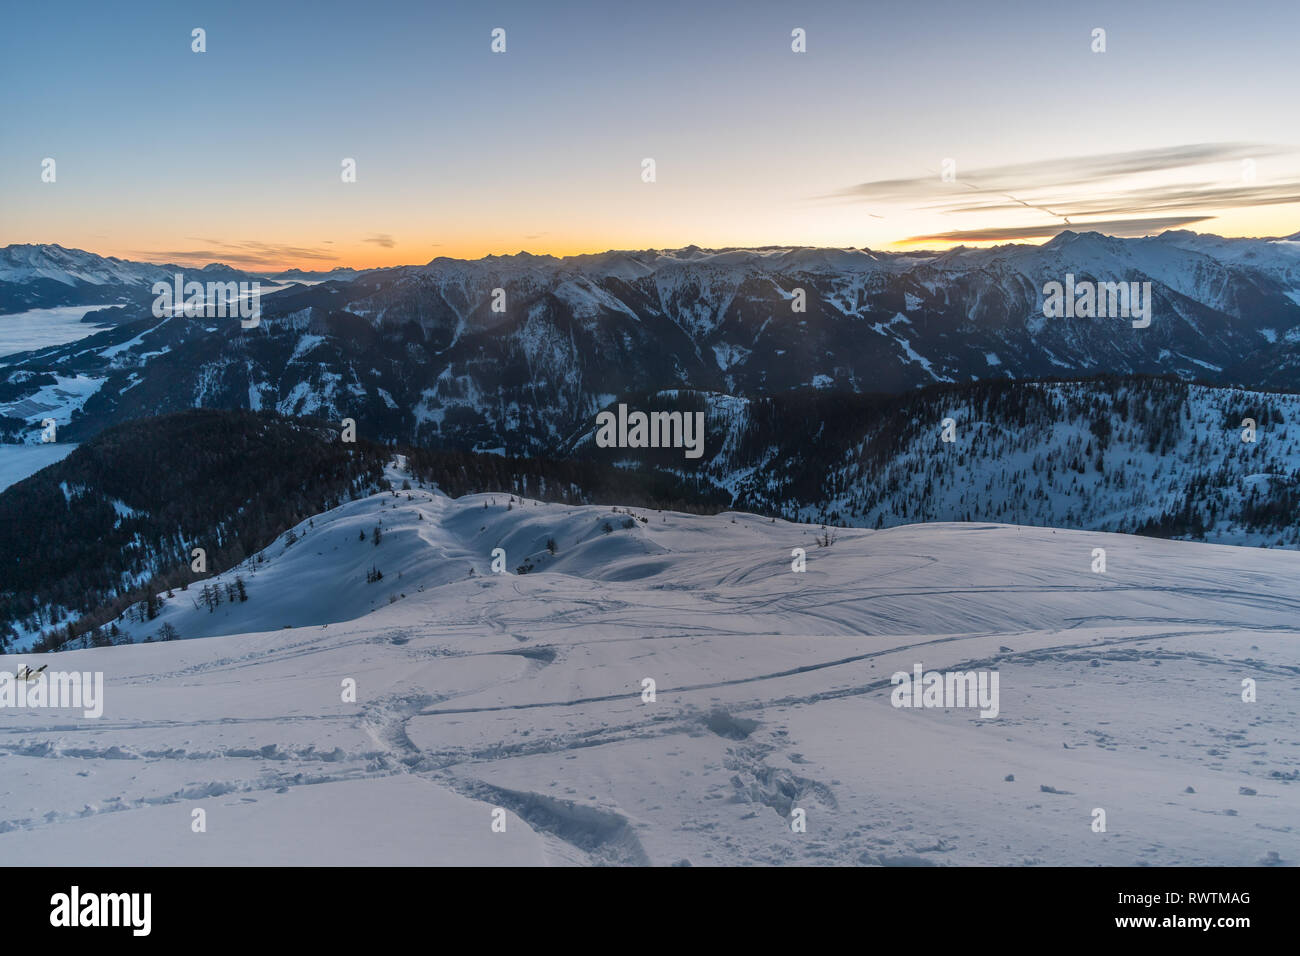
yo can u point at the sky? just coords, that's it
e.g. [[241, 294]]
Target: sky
[[1186, 120]]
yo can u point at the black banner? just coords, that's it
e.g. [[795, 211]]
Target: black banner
[[334, 906]]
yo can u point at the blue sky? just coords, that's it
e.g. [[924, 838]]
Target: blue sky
[[235, 153]]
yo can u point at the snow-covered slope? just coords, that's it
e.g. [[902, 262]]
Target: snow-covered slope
[[23, 263], [524, 692], [1139, 455], [45, 275]]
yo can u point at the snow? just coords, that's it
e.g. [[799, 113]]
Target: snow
[[305, 344], [57, 401], [122, 509], [588, 300], [728, 356], [524, 692], [1030, 476], [115, 350], [25, 263], [308, 398], [912, 354]]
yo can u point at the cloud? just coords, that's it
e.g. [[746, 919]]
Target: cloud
[[1199, 196], [1065, 189], [245, 254], [382, 239], [1111, 227], [1077, 171]]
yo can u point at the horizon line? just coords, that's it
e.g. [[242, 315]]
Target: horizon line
[[937, 249]]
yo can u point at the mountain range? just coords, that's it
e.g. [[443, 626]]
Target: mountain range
[[47, 275], [433, 355], [834, 414]]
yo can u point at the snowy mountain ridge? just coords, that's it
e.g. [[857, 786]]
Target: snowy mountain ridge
[[517, 352], [1145, 455]]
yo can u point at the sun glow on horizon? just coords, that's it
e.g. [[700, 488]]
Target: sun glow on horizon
[[1273, 222]]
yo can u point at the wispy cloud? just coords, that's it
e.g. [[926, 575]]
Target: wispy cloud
[[246, 254], [1112, 227], [1199, 196], [1064, 189], [1063, 173], [382, 239]]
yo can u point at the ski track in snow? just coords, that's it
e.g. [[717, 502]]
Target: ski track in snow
[[523, 692]]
